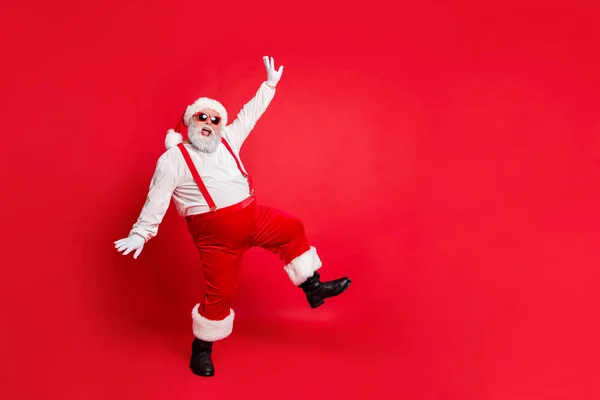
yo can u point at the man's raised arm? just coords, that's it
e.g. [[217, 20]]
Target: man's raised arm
[[251, 112]]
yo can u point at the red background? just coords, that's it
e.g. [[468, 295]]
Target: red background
[[444, 156]]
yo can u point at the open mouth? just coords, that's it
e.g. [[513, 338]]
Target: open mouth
[[205, 132]]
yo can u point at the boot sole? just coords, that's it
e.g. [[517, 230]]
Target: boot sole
[[322, 301], [203, 373]]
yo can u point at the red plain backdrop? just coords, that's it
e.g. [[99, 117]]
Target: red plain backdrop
[[444, 156]]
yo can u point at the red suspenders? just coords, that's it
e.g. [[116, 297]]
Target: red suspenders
[[198, 180], [239, 165]]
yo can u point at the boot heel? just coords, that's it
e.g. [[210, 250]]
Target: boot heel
[[317, 304]]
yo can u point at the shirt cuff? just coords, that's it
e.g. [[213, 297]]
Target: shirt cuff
[[144, 236]]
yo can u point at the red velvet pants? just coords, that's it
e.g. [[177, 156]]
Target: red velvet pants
[[223, 236]]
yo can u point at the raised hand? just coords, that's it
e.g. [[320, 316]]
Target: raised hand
[[273, 76]]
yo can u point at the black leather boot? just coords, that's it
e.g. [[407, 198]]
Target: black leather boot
[[200, 362], [317, 291]]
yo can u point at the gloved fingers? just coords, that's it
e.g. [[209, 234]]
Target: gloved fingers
[[272, 64], [137, 253], [122, 247], [120, 242], [129, 250], [280, 70], [266, 61]]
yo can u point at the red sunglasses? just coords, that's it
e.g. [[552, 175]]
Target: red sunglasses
[[202, 117]]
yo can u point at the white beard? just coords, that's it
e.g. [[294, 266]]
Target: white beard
[[202, 143]]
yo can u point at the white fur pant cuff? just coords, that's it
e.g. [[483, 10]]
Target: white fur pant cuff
[[209, 330], [303, 267]]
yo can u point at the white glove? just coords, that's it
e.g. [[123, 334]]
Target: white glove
[[273, 76], [133, 242]]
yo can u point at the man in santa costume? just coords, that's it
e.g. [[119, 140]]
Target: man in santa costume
[[211, 188]]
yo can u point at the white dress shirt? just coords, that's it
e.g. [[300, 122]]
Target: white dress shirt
[[225, 183]]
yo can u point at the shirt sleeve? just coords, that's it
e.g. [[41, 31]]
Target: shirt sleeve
[[162, 186], [246, 119]]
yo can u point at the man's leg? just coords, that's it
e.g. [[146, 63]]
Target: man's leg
[[212, 319], [284, 235], [221, 241]]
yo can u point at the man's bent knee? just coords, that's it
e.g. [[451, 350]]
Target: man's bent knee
[[295, 226]]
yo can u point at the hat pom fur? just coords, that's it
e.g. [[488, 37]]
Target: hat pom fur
[[173, 138]]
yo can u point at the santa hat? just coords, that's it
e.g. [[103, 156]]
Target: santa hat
[[174, 136]]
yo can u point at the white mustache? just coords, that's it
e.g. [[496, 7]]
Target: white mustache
[[205, 144]]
